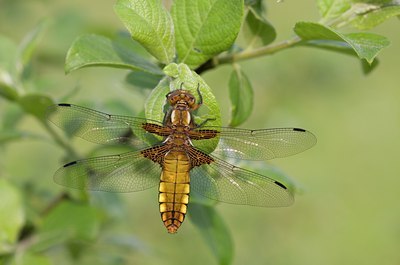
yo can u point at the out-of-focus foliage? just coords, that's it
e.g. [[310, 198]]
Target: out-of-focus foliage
[[12, 215], [42, 224], [364, 45], [93, 50], [241, 95]]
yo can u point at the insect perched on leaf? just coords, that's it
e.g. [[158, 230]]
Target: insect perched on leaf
[[174, 163]]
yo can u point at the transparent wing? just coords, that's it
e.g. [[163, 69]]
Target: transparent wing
[[224, 182], [99, 127], [115, 173], [261, 144]]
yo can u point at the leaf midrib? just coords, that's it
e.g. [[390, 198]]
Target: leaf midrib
[[153, 31], [190, 47]]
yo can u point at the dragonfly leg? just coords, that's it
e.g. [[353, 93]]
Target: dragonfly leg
[[200, 96], [197, 105], [204, 122]]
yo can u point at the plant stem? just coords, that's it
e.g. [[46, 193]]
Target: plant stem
[[264, 50], [248, 54], [71, 152], [57, 200]]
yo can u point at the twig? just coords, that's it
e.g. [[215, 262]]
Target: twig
[[70, 151], [247, 54]]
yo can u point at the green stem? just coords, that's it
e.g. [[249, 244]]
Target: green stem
[[262, 51], [248, 54], [70, 151], [29, 238]]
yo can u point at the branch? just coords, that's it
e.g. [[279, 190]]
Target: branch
[[71, 152], [247, 54]]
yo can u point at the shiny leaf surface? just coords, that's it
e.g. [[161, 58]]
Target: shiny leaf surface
[[201, 30], [150, 24], [95, 50]]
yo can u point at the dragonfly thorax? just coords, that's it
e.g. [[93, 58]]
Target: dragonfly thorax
[[178, 140], [180, 117]]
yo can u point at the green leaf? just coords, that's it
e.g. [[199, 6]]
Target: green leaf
[[241, 96], [258, 7], [108, 204], [7, 86], [183, 77], [95, 50], [12, 215], [257, 30], [198, 199], [214, 231], [251, 2], [29, 45], [375, 16], [36, 105], [154, 105], [205, 28], [76, 221], [31, 259], [367, 67], [150, 24], [124, 38], [8, 53], [333, 8], [331, 45], [143, 80], [365, 45], [314, 31]]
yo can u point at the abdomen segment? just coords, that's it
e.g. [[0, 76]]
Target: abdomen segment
[[174, 189]]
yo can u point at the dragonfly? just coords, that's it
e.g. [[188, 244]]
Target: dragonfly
[[172, 161]]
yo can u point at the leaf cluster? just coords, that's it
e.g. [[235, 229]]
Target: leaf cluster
[[203, 35]]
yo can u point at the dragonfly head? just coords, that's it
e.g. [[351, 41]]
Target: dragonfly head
[[181, 97]]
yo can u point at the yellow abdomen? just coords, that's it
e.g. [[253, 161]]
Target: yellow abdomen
[[174, 189]]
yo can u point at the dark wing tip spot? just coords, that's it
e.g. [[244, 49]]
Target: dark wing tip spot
[[64, 105], [70, 164], [298, 130], [280, 185]]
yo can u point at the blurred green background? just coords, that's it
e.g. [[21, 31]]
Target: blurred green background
[[347, 209]]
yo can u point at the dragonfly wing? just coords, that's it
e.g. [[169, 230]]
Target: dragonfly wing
[[225, 182], [115, 173], [261, 144], [99, 127]]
